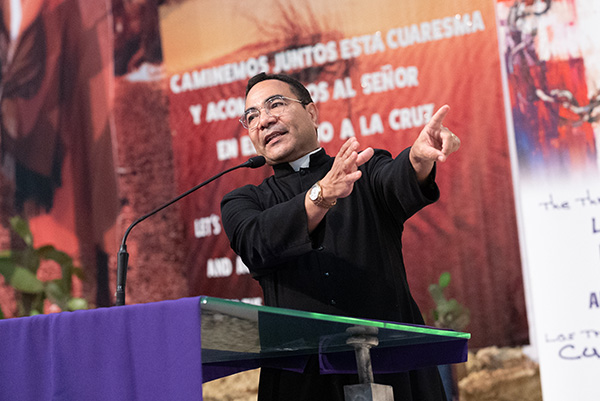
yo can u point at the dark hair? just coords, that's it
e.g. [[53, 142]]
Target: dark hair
[[296, 86]]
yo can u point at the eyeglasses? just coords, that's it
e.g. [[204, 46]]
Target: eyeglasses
[[274, 106]]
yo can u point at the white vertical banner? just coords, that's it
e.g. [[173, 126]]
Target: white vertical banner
[[551, 76]]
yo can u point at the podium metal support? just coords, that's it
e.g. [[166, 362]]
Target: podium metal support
[[363, 338]]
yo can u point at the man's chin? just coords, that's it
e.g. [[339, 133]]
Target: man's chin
[[276, 156]]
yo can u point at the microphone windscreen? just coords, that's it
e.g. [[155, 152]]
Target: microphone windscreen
[[255, 162]]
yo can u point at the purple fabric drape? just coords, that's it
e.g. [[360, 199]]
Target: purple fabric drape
[[136, 352], [150, 352]]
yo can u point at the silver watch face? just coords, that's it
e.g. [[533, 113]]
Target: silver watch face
[[314, 192]]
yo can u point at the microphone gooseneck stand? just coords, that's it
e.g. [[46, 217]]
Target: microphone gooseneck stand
[[123, 256]]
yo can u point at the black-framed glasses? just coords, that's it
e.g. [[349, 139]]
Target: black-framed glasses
[[274, 106]]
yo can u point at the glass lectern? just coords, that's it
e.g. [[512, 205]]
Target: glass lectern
[[234, 333]]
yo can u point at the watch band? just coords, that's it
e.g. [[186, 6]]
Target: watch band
[[320, 201]]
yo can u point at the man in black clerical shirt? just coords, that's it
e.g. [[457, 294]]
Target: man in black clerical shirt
[[323, 234]]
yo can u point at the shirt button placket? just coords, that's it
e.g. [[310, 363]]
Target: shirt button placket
[[327, 275]]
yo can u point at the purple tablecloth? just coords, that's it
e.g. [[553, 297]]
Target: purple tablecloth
[[137, 352]]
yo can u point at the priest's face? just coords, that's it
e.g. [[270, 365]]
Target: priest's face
[[281, 136]]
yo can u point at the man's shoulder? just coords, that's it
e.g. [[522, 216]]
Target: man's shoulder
[[250, 189]]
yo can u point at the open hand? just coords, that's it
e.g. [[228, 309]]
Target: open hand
[[339, 181]]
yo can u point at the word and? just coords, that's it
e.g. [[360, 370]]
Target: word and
[[223, 267]]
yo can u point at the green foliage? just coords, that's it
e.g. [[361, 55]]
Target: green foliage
[[448, 314], [19, 268]]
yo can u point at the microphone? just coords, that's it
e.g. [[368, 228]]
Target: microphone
[[123, 256]]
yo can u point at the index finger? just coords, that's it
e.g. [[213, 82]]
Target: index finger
[[439, 115]]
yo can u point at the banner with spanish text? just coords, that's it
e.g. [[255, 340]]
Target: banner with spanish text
[[377, 71]]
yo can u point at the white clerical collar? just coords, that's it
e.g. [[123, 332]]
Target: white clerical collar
[[303, 162]]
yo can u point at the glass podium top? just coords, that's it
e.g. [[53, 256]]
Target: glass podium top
[[235, 331]]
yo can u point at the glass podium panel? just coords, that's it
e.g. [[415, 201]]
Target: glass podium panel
[[234, 331]]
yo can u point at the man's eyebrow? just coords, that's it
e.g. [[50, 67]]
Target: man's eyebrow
[[264, 101]]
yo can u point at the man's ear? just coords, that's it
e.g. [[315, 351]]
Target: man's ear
[[314, 113]]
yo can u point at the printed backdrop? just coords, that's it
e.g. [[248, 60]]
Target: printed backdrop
[[551, 60], [100, 126], [377, 71], [55, 144]]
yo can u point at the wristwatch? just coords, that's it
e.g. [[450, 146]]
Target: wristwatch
[[316, 195]]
